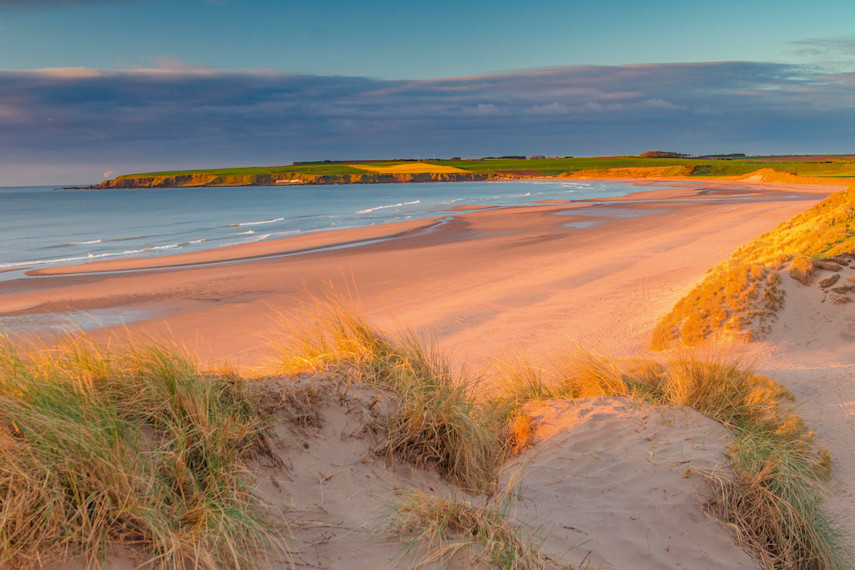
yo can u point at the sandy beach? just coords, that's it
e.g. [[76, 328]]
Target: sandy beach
[[533, 278], [538, 280]]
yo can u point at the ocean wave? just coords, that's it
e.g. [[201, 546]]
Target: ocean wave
[[95, 256], [369, 210], [258, 223], [255, 238]]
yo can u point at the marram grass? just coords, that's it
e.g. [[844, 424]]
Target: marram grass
[[772, 499], [437, 420], [139, 447], [772, 493], [456, 531], [135, 447]]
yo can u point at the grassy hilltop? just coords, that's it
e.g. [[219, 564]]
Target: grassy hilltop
[[826, 168]]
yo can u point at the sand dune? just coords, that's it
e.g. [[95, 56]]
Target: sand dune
[[629, 499]]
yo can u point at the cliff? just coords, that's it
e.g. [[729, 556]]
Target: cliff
[[284, 179], [421, 172]]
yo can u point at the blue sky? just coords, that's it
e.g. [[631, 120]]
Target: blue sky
[[90, 87]]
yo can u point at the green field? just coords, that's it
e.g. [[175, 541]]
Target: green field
[[324, 172], [821, 166]]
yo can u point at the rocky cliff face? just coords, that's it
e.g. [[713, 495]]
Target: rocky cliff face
[[203, 179]]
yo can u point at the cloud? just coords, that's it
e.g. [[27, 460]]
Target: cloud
[[176, 116], [483, 110], [834, 46]]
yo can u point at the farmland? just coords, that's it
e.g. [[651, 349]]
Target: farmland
[[410, 170]]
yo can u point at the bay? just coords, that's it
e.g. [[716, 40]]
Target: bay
[[44, 226]]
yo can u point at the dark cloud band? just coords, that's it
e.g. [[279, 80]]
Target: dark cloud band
[[198, 117]]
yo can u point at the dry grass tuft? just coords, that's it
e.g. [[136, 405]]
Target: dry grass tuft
[[135, 447], [459, 532], [585, 375], [802, 269], [517, 381], [438, 422], [772, 499]]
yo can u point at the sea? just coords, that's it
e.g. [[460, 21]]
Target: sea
[[43, 226]]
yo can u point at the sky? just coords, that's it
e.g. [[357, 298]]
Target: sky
[[95, 88]]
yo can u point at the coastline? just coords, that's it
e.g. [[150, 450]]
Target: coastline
[[321, 240], [315, 241], [409, 171], [534, 276]]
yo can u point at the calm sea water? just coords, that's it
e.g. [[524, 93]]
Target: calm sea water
[[43, 226]]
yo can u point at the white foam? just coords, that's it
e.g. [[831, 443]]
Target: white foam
[[258, 223], [369, 210], [93, 256], [274, 220]]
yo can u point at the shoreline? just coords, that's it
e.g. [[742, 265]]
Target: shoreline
[[599, 272], [306, 243], [325, 239]]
